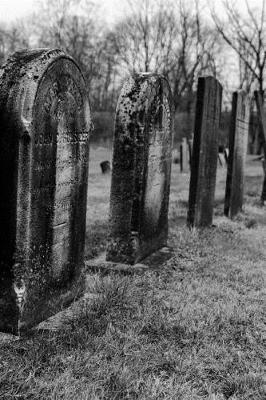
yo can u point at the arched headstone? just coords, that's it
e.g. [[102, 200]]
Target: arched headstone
[[141, 169], [44, 131]]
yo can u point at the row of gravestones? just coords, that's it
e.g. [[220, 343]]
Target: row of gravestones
[[45, 125]]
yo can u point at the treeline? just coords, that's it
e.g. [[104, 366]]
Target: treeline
[[180, 39]]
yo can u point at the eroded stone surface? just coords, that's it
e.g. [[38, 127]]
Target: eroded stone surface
[[45, 123], [262, 119], [205, 152], [238, 138], [141, 169]]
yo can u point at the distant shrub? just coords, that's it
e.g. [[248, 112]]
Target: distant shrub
[[103, 122]]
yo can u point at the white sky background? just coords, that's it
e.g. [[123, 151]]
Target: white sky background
[[10, 10], [112, 10]]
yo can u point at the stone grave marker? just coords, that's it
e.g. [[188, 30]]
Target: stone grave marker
[[262, 119], [205, 152], [141, 169], [44, 132], [190, 148], [184, 156], [238, 141]]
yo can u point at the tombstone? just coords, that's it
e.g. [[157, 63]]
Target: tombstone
[[184, 156], [262, 119], [141, 169], [45, 123], [263, 193], [205, 152], [105, 167], [190, 148], [238, 141]]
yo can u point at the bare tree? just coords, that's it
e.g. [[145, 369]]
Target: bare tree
[[12, 38], [197, 46], [244, 31], [144, 40], [170, 38]]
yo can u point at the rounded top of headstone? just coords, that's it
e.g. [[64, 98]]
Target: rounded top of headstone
[[26, 67], [27, 72], [30, 61], [139, 92]]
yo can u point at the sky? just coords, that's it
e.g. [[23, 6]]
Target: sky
[[10, 10], [112, 10]]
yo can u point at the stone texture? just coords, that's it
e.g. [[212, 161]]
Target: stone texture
[[262, 119], [238, 138], [141, 169], [44, 132], [205, 152]]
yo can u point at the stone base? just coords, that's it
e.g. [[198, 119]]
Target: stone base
[[151, 263]]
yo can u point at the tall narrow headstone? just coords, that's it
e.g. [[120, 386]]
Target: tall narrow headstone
[[184, 156], [44, 131], [205, 152], [141, 169], [190, 146], [238, 139], [262, 119]]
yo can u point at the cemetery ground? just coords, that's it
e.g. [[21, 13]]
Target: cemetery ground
[[194, 330]]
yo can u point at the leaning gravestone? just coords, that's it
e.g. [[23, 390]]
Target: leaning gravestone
[[44, 132], [205, 152], [141, 169], [238, 141]]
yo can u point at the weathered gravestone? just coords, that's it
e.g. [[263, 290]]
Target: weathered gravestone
[[44, 131], [190, 146], [184, 156], [205, 152], [141, 169], [238, 140], [262, 119]]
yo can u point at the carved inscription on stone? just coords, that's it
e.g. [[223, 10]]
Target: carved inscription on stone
[[60, 150], [50, 137], [159, 153]]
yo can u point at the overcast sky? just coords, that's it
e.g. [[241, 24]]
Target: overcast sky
[[112, 10], [10, 10]]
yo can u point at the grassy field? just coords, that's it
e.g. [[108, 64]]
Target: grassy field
[[196, 330]]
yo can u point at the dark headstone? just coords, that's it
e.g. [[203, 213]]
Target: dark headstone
[[44, 124], [205, 152], [263, 193], [105, 167], [190, 148], [262, 119], [141, 169], [184, 156], [238, 140]]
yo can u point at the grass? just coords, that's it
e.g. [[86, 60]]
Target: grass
[[196, 330]]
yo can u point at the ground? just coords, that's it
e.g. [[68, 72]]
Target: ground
[[195, 330]]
